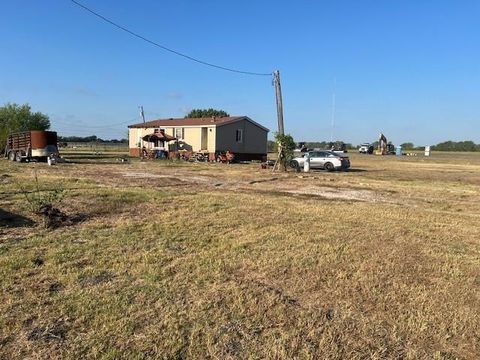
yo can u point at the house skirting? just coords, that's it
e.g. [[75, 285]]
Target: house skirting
[[250, 157], [135, 152]]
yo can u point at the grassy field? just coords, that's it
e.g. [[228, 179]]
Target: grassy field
[[197, 261]]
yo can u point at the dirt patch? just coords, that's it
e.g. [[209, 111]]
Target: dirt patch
[[174, 177], [261, 181], [53, 332], [290, 186], [101, 278], [38, 261], [143, 175], [55, 288], [5, 178], [5, 340], [337, 193], [166, 180]]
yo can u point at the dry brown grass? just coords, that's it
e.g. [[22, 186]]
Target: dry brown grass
[[214, 261]]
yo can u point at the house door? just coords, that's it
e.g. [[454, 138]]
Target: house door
[[204, 144]]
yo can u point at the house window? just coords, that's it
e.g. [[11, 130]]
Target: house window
[[239, 136], [179, 133], [158, 131]]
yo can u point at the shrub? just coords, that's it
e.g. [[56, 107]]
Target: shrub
[[43, 202]]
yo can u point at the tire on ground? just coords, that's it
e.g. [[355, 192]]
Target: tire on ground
[[295, 165], [18, 156]]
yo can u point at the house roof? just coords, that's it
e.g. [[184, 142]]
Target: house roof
[[210, 121]]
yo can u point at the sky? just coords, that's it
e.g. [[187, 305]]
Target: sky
[[409, 69]]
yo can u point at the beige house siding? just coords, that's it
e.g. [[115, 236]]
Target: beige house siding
[[170, 131], [135, 136], [254, 139], [212, 132], [192, 137]]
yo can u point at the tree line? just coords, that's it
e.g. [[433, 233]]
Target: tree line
[[466, 145], [88, 139], [272, 146], [456, 146]]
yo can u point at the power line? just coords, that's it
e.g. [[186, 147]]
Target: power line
[[164, 47], [105, 126]]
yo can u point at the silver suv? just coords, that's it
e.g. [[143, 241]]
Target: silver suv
[[322, 159]]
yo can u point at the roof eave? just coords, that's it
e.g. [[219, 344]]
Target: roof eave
[[245, 118]]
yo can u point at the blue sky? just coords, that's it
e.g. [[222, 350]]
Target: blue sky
[[407, 68]]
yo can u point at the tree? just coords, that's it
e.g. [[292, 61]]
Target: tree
[[317, 145], [16, 118], [407, 146], [285, 147], [206, 113]]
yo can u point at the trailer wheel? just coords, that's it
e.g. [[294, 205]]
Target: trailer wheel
[[11, 156], [18, 156]]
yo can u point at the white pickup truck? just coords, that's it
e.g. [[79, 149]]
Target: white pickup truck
[[365, 149]]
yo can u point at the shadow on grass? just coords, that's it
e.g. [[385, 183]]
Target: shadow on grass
[[12, 220], [357, 170], [95, 158], [91, 162], [91, 157]]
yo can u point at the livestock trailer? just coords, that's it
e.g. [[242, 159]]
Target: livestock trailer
[[31, 145]]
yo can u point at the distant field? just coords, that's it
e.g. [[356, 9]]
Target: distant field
[[94, 148], [191, 260], [93, 152]]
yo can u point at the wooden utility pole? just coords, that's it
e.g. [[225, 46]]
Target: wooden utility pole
[[280, 162], [278, 92], [333, 109], [142, 113]]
